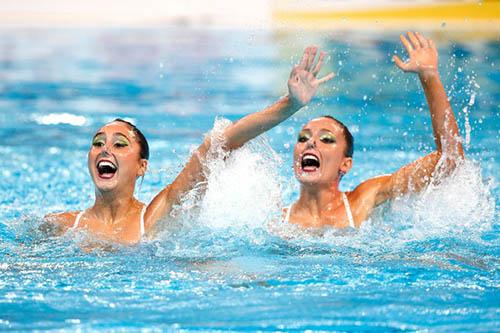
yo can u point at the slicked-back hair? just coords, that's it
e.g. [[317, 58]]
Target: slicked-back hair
[[143, 143], [349, 149]]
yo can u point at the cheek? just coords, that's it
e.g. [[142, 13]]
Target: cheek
[[297, 149]]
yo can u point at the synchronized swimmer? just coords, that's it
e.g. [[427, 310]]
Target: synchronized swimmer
[[322, 155]]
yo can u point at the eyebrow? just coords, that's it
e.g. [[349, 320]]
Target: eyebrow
[[114, 135], [326, 130], [323, 129]]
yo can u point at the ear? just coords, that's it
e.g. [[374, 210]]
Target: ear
[[346, 165], [142, 168]]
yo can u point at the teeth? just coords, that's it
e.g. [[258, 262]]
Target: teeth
[[310, 157], [104, 164]]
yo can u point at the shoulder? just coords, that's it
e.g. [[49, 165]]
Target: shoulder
[[158, 207], [65, 220], [372, 185], [370, 193]]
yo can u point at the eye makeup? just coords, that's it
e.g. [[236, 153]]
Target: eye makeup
[[121, 142], [327, 138], [304, 136], [98, 140]]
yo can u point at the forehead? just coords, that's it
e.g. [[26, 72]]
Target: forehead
[[117, 127], [323, 123]]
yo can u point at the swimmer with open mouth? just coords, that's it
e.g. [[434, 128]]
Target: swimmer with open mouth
[[322, 156], [324, 151], [119, 155]]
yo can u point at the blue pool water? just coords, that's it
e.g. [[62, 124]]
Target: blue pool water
[[427, 262]]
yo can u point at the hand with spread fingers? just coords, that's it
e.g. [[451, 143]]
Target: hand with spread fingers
[[422, 52], [303, 81]]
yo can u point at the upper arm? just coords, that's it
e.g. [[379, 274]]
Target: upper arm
[[191, 175], [412, 177], [57, 223]]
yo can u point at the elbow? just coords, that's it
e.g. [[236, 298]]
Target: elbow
[[448, 161]]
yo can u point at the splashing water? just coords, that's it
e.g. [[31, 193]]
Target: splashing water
[[422, 262], [242, 199]]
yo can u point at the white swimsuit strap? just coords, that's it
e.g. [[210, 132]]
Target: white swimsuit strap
[[143, 230], [348, 210], [77, 220], [288, 212]]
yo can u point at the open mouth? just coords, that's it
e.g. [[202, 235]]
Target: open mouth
[[106, 169], [310, 163]]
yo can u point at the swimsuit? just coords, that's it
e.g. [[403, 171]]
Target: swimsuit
[[141, 221], [347, 209]]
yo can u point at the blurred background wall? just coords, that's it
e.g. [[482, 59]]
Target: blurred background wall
[[471, 15]]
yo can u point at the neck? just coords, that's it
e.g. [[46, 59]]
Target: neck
[[315, 200], [111, 206]]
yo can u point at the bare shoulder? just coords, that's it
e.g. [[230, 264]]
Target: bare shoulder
[[367, 195], [370, 187], [64, 220], [158, 208]]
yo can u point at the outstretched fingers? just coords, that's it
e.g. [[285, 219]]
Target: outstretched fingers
[[317, 68], [406, 44], [431, 44], [326, 78], [414, 40], [305, 57], [312, 56], [423, 42], [400, 63]]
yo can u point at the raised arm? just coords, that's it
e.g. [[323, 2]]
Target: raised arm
[[423, 60], [302, 86]]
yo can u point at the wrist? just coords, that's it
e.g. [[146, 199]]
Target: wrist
[[428, 74], [292, 105]]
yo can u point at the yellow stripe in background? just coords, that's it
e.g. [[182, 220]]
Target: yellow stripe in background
[[483, 15]]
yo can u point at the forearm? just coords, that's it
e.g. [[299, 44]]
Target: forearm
[[235, 136], [257, 123], [444, 125]]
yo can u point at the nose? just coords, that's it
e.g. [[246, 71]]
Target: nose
[[103, 153], [311, 143]]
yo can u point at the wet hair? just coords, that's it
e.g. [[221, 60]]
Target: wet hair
[[349, 149], [143, 143]]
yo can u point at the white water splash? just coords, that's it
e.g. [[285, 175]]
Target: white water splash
[[468, 128], [459, 205], [242, 187]]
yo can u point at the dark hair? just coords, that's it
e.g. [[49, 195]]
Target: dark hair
[[349, 149], [143, 143]]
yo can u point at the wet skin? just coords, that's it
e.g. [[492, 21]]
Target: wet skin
[[322, 138]]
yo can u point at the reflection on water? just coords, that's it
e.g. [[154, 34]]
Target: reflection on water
[[422, 262]]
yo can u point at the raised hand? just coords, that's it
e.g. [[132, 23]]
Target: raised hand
[[303, 81], [423, 55]]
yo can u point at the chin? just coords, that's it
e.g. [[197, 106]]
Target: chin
[[105, 185], [308, 178]]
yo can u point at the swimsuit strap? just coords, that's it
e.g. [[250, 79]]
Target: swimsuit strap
[[77, 220], [348, 210], [287, 216], [141, 221]]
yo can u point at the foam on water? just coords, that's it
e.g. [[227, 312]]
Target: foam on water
[[240, 207], [423, 262]]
